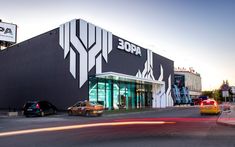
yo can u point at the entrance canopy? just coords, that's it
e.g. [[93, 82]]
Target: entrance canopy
[[127, 78]]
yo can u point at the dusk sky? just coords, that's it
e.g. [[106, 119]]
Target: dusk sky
[[193, 33]]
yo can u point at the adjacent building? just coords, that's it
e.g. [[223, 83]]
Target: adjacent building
[[81, 61], [190, 79]]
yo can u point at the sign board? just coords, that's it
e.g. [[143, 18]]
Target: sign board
[[233, 89], [225, 94], [225, 87], [8, 32]]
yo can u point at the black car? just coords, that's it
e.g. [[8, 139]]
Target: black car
[[38, 108]]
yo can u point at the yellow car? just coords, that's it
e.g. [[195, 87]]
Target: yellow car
[[86, 108], [209, 106]]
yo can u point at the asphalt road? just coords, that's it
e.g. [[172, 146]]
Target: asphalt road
[[174, 127]]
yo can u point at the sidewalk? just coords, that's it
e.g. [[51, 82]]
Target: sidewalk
[[227, 117], [145, 110], [5, 113]]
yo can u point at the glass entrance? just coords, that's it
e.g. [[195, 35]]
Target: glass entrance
[[114, 94]]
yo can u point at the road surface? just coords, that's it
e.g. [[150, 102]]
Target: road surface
[[176, 127]]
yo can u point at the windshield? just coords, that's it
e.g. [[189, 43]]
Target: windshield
[[30, 105], [94, 103]]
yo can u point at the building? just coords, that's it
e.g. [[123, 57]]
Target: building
[[190, 79], [81, 61], [232, 91]]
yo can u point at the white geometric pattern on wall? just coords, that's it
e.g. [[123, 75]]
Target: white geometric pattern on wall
[[169, 100], [88, 42], [161, 74], [148, 74], [168, 93], [148, 67]]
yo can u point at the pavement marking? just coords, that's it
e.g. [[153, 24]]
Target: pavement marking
[[51, 129]]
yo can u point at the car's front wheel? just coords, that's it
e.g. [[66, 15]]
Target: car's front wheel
[[42, 114], [99, 114], [70, 113]]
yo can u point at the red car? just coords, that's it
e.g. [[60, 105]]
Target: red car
[[197, 101]]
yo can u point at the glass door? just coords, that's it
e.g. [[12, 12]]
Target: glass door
[[116, 94], [109, 95], [123, 96]]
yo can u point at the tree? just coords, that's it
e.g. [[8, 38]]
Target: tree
[[217, 95], [207, 93]]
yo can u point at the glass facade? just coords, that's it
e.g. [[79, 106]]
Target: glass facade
[[113, 94]]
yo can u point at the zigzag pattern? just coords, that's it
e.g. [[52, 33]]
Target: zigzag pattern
[[148, 67], [90, 42]]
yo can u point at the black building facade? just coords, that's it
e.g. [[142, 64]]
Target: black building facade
[[80, 61]]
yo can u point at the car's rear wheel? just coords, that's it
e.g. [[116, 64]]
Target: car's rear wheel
[[87, 113], [42, 114]]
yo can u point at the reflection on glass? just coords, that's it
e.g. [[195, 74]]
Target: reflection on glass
[[120, 95]]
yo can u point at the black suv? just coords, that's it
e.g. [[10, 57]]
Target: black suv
[[38, 108]]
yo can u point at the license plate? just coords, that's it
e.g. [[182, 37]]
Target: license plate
[[208, 107], [29, 109]]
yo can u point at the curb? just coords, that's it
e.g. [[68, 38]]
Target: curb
[[225, 124], [154, 110], [222, 122], [6, 115]]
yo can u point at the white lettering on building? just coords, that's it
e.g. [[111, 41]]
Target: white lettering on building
[[129, 47]]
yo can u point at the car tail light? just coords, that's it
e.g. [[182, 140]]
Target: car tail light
[[201, 104], [215, 104], [37, 106]]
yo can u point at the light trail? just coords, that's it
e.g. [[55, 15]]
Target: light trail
[[51, 129], [174, 119]]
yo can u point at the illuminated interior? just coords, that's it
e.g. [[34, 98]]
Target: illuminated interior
[[115, 93]]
